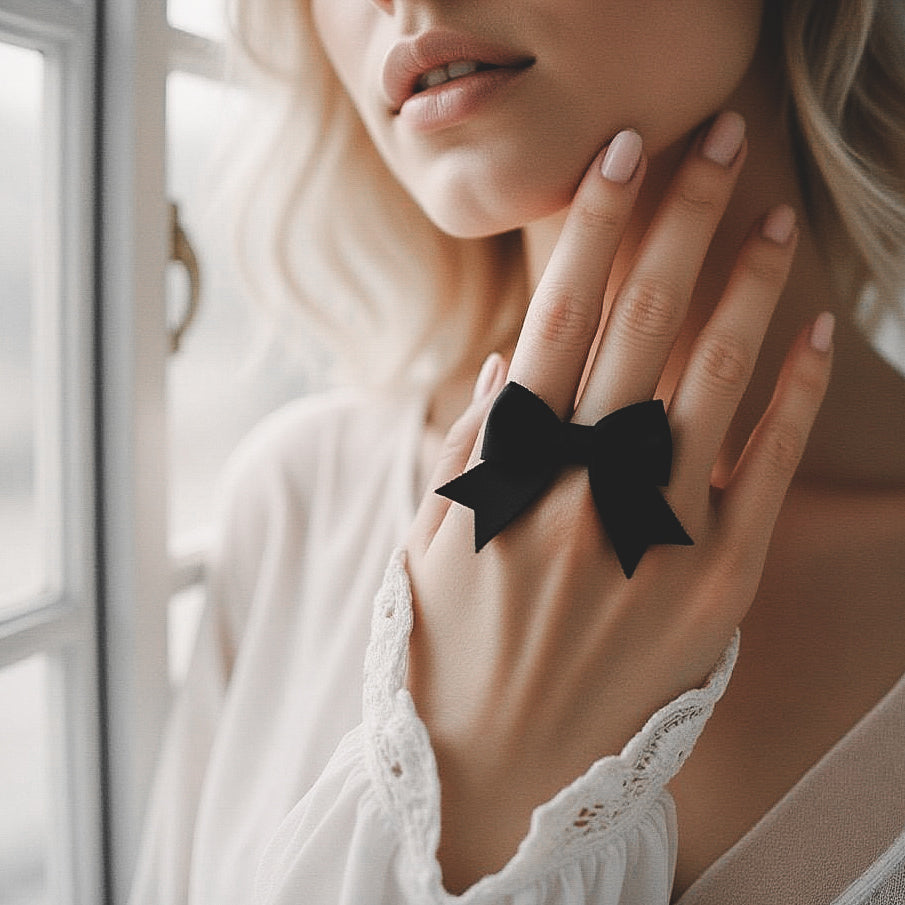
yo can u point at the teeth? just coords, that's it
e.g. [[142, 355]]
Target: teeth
[[435, 77], [443, 74], [461, 67]]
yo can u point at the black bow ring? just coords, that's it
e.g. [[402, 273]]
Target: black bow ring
[[628, 454]]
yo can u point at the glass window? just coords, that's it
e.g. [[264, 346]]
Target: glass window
[[24, 783], [23, 564]]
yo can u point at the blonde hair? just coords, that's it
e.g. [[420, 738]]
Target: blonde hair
[[399, 300], [845, 68], [396, 298]]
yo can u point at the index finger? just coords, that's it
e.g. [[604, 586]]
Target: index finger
[[564, 313]]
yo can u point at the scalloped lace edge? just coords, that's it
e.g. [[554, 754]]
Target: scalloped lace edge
[[609, 799]]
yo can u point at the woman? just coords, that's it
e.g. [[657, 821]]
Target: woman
[[678, 206]]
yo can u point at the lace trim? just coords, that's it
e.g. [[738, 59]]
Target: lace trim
[[613, 795]]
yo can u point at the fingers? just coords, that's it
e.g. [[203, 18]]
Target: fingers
[[757, 488], [564, 313], [652, 302], [457, 447], [723, 356]]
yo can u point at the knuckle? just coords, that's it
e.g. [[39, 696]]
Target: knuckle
[[725, 362], [599, 218], [651, 309], [564, 319], [694, 200], [736, 566], [762, 266], [461, 435], [456, 441], [448, 460], [810, 377], [783, 444]]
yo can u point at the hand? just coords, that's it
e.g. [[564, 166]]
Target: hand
[[535, 657]]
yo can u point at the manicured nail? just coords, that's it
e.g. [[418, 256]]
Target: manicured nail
[[725, 138], [822, 332], [622, 156], [778, 225], [488, 376]]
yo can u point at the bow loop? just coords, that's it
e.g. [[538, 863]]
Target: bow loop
[[639, 435], [628, 454], [521, 429]]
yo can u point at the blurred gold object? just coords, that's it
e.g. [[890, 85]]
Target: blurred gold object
[[181, 252]]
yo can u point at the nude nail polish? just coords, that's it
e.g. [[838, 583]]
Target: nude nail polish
[[487, 376], [778, 225], [822, 331], [622, 157], [725, 138]]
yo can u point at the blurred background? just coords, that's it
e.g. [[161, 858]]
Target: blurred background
[[228, 373]]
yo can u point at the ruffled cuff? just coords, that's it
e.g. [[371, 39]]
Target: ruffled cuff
[[616, 798]]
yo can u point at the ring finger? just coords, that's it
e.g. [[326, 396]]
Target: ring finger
[[723, 355]]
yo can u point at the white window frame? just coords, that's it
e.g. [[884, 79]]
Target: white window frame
[[132, 350], [60, 621], [104, 456], [140, 572]]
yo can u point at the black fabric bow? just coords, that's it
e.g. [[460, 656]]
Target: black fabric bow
[[628, 454]]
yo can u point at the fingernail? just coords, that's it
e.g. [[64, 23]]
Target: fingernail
[[622, 156], [725, 138], [778, 225], [488, 375], [822, 332]]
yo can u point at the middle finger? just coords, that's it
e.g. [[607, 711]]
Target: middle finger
[[652, 302]]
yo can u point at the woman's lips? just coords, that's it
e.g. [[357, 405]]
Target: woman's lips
[[412, 68], [452, 102]]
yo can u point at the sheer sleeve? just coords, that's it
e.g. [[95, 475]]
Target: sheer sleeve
[[369, 829]]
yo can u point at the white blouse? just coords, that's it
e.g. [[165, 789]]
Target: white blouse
[[295, 768]]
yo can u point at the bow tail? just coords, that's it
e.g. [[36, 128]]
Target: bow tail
[[497, 494], [635, 517]]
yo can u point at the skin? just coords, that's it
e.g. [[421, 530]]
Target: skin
[[500, 683], [478, 179]]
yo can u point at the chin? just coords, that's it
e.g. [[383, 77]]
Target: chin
[[476, 208]]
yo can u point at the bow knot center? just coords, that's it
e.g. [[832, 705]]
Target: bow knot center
[[576, 444]]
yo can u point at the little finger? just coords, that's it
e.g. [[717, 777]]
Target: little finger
[[754, 495]]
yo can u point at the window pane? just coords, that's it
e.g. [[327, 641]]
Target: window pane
[[202, 17], [222, 380], [22, 562], [24, 783]]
